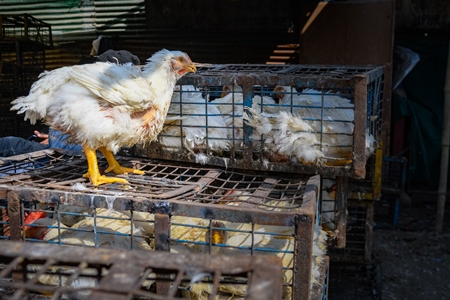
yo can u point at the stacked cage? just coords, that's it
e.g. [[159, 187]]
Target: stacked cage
[[23, 40], [83, 273], [175, 207], [361, 199], [296, 119], [355, 273], [392, 190], [239, 168], [269, 112]]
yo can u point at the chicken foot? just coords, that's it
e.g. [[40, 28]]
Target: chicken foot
[[114, 166], [93, 172]]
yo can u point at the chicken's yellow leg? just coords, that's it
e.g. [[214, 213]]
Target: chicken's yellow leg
[[114, 166], [93, 172]]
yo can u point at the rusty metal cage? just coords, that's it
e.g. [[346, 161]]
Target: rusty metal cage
[[340, 109], [21, 62], [369, 188], [25, 27], [359, 234], [320, 288], [392, 188], [333, 214], [175, 207], [353, 281], [23, 40], [53, 272]]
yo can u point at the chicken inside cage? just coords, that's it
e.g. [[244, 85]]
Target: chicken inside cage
[[179, 208], [278, 123], [50, 272]]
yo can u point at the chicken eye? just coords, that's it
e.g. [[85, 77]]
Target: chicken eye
[[180, 59]]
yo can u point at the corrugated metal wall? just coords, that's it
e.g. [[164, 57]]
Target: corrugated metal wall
[[83, 19], [220, 31], [75, 23]]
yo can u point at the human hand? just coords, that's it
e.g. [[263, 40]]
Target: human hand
[[42, 136]]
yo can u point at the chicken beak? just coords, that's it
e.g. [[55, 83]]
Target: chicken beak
[[191, 68]]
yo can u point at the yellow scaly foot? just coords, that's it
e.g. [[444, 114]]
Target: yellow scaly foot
[[93, 172], [114, 166]]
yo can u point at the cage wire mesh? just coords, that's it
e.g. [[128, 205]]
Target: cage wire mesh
[[358, 248], [353, 281], [25, 27], [307, 119], [392, 187], [49, 272], [182, 208]]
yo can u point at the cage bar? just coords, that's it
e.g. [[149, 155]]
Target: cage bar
[[173, 206], [118, 274], [360, 86]]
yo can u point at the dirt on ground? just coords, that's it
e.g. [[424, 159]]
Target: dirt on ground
[[414, 259]]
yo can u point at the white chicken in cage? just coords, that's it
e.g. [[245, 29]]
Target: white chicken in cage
[[310, 126], [284, 136], [109, 229], [231, 106], [336, 113], [193, 124], [245, 238]]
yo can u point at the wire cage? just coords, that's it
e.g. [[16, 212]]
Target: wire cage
[[28, 271], [333, 209], [359, 234], [21, 62], [176, 207], [369, 188], [353, 281], [392, 188], [23, 40], [289, 118], [25, 27]]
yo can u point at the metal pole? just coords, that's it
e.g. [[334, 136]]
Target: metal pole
[[442, 191]]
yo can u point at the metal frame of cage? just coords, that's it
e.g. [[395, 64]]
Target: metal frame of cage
[[339, 204], [392, 187], [320, 288], [25, 27], [349, 280], [170, 190], [122, 274], [369, 188], [361, 84], [359, 234], [23, 40]]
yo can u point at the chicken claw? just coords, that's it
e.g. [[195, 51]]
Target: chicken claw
[[114, 166], [93, 172]]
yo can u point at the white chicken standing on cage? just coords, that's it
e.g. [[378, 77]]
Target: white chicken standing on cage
[[193, 124], [106, 106]]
